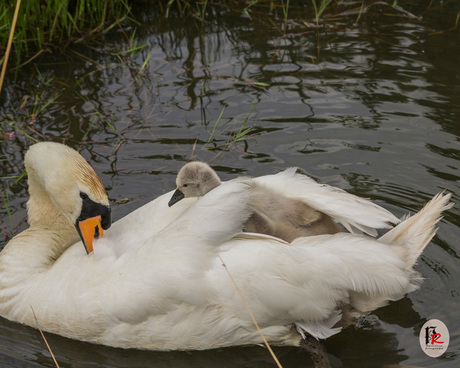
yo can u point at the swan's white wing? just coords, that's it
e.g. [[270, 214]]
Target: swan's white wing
[[303, 283], [217, 216], [356, 214], [222, 210]]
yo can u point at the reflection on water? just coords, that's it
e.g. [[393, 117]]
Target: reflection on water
[[373, 109]]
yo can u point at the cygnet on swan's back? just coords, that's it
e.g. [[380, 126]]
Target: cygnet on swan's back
[[274, 213]]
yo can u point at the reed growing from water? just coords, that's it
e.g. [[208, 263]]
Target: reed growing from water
[[44, 25]]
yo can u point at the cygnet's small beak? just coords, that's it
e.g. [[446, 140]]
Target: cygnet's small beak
[[176, 197], [89, 230]]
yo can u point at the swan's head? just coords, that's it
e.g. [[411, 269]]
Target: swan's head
[[194, 179], [60, 174]]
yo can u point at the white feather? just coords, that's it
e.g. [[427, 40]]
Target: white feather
[[322, 329]]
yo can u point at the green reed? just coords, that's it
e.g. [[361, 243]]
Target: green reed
[[320, 6], [234, 137], [51, 23]]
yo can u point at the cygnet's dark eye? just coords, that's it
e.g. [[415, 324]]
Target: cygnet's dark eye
[[185, 185], [83, 195]]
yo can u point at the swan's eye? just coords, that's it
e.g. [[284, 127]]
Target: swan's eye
[[185, 185], [83, 195]]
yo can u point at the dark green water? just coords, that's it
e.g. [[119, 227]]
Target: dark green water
[[373, 109]]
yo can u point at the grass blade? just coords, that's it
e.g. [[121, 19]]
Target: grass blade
[[215, 125], [241, 133]]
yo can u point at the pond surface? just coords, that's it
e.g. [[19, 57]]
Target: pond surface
[[373, 108]]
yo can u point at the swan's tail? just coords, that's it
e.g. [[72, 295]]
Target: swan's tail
[[415, 232]]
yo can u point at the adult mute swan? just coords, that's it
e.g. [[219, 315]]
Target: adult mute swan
[[160, 283]]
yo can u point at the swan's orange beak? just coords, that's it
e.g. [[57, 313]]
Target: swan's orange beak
[[89, 229]]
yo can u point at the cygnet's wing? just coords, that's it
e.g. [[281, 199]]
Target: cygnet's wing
[[356, 214]]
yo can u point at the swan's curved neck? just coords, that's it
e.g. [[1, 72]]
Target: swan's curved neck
[[41, 210], [37, 248]]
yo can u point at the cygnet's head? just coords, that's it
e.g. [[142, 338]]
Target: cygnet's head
[[194, 179]]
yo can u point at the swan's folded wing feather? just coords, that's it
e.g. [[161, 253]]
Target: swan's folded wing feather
[[217, 216], [320, 329], [309, 280], [356, 214]]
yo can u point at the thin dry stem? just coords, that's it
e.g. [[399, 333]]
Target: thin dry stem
[[44, 338], [8, 46], [252, 316]]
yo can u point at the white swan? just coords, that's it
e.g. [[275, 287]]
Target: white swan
[[160, 283]]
